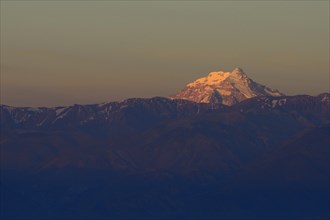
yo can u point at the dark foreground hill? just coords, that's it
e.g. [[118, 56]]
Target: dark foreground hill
[[264, 158]]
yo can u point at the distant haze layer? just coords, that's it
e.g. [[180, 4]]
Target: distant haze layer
[[60, 53]]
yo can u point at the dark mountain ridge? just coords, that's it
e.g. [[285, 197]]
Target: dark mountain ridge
[[157, 133], [263, 158]]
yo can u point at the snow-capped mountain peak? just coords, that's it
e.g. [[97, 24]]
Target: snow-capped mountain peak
[[213, 78], [224, 87]]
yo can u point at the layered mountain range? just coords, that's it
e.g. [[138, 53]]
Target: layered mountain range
[[126, 132], [223, 148]]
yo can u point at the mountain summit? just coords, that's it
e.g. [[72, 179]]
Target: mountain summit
[[227, 88]]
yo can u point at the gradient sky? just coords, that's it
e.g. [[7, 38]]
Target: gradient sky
[[60, 53]]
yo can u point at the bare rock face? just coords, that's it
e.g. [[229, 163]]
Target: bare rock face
[[227, 88]]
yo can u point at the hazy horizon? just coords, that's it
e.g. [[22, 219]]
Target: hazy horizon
[[65, 53]]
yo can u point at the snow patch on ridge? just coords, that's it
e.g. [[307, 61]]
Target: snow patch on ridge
[[38, 110], [279, 102], [60, 110]]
